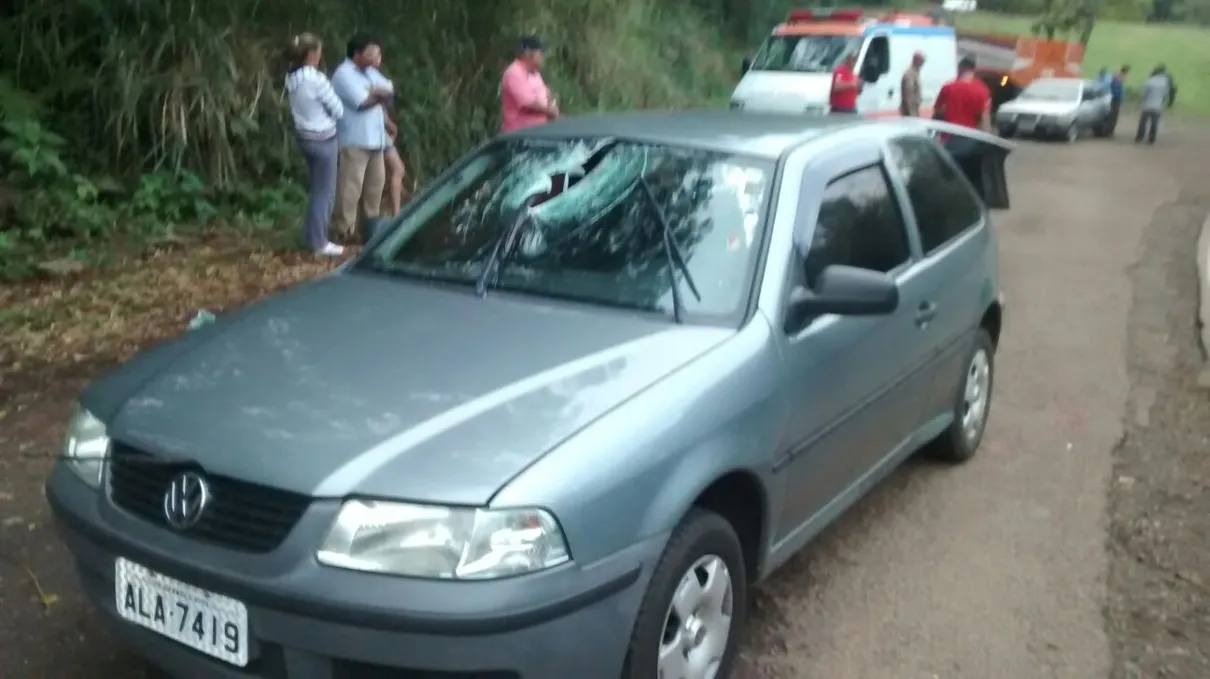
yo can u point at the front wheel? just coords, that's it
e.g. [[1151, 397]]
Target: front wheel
[[691, 618], [972, 404]]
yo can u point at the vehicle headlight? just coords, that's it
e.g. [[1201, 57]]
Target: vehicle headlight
[[86, 446], [453, 543]]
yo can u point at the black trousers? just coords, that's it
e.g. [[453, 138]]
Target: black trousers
[[1149, 125], [1115, 110]]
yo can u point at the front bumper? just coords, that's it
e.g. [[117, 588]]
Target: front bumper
[[1041, 126], [308, 621]]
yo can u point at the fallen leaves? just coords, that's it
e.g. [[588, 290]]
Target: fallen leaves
[[105, 317]]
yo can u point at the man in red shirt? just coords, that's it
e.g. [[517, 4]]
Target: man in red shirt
[[965, 101], [845, 87], [524, 98]]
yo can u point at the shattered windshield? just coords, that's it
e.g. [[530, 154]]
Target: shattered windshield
[[805, 53], [590, 233]]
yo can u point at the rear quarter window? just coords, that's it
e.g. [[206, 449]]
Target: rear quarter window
[[942, 200]]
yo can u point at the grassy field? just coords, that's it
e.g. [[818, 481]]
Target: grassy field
[[1185, 50]]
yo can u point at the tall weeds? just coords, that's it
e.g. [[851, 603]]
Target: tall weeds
[[140, 85]]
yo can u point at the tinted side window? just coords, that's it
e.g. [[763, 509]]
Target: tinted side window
[[858, 225], [944, 204]]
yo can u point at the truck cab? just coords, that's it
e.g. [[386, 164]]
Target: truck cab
[[792, 70]]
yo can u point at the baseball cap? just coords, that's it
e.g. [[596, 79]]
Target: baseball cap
[[532, 42]]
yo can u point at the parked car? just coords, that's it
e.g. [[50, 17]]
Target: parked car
[[557, 418], [1058, 107]]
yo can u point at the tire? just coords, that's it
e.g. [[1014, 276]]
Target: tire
[[704, 542], [960, 442]]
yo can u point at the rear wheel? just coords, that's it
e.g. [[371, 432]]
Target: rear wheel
[[972, 404], [691, 618]]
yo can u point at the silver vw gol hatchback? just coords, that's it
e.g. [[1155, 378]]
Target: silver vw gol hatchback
[[558, 417]]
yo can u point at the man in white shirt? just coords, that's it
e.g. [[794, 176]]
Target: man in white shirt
[[362, 135]]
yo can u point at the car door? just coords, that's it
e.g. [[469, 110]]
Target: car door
[[879, 86], [954, 274], [849, 381]]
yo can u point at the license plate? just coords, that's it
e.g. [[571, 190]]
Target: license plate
[[211, 623]]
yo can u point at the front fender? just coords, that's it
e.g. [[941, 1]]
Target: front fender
[[634, 473]]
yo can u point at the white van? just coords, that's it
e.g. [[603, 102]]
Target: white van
[[792, 72]]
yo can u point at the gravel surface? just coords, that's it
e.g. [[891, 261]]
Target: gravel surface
[[1074, 546]]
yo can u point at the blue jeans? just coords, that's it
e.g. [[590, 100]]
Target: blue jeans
[[321, 190]]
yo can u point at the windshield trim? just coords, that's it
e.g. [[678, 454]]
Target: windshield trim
[[363, 262]]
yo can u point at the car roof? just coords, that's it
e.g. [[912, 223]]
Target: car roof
[[762, 135]]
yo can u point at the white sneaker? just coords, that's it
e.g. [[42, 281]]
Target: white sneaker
[[330, 250]]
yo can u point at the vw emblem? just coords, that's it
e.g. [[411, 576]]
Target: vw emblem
[[185, 500]]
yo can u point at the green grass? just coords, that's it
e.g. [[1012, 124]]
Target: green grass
[[1184, 49]]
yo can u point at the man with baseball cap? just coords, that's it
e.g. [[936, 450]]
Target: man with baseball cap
[[525, 100]]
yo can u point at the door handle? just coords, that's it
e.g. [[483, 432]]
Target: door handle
[[925, 313]]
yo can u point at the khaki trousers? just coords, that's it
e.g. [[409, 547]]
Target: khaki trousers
[[360, 179]]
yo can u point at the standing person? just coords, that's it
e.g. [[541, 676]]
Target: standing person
[[525, 100], [316, 110], [845, 86], [966, 100], [909, 88], [1156, 92], [362, 134], [1117, 93], [393, 162], [1171, 86]]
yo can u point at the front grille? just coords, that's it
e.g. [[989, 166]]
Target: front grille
[[240, 515]]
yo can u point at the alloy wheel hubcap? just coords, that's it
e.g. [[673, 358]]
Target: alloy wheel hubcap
[[975, 395], [698, 622]]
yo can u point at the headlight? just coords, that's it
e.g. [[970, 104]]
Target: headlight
[[426, 541], [86, 446]]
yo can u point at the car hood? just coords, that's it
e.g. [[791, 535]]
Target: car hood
[[356, 384], [1039, 107]]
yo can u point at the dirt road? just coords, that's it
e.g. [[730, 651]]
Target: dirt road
[[1068, 549]]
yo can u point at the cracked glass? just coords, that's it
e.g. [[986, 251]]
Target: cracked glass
[[589, 233]]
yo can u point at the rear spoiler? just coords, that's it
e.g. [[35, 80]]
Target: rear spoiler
[[981, 156]]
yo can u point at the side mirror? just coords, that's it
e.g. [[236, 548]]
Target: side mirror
[[845, 291], [745, 65]]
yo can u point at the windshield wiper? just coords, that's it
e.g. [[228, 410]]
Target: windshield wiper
[[676, 259], [491, 268]]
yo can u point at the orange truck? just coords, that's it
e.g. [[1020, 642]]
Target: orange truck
[[793, 68]]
